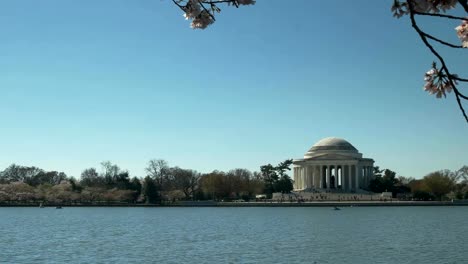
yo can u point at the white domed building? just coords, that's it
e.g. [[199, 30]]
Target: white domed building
[[333, 164]]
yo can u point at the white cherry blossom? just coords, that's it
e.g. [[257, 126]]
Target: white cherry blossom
[[462, 33]]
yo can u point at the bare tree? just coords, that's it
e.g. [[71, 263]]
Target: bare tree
[[185, 180], [158, 170]]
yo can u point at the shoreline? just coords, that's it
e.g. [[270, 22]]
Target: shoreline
[[259, 204]]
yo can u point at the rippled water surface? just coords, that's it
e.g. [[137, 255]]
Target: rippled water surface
[[234, 235]]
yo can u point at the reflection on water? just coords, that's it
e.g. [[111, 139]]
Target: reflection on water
[[234, 235]]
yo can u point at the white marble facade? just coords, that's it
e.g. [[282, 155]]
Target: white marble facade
[[333, 164]]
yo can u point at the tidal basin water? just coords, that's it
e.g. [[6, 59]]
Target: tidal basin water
[[234, 235]]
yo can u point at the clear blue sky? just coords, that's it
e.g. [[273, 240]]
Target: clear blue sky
[[127, 81]]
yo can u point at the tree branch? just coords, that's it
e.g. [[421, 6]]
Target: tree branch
[[177, 4], [440, 15], [206, 10], [464, 3], [459, 79], [217, 1], [444, 66], [443, 42]]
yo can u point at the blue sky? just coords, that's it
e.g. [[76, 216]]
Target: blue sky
[[127, 81]]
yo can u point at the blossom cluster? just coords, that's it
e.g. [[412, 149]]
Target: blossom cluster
[[437, 83], [201, 16], [400, 9], [462, 33]]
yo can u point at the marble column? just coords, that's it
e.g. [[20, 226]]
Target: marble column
[[328, 176], [295, 178], [305, 177], [336, 176], [321, 177], [300, 177], [343, 178], [299, 181], [364, 176], [350, 181], [314, 172], [357, 177]]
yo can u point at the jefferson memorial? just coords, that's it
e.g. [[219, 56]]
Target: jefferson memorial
[[332, 164]]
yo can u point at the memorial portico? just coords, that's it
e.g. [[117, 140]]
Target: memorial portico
[[333, 164]]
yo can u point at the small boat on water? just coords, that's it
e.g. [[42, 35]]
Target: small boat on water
[[336, 208], [58, 207], [41, 205]]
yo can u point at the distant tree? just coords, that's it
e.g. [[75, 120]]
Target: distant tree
[[462, 174], [44, 177], [283, 167], [122, 180], [17, 173], [19, 191], [240, 181], [150, 191], [377, 171], [135, 185], [284, 184], [423, 196], [159, 170], [439, 183], [275, 177], [92, 194], [90, 177], [185, 181], [270, 177], [213, 185], [110, 173], [74, 184]]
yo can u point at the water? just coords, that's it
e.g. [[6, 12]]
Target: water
[[234, 235]]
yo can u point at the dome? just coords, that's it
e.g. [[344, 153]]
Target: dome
[[333, 143]]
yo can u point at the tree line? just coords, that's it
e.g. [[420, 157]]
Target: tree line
[[162, 183], [438, 185]]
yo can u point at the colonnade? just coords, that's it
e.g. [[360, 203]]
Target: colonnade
[[339, 176]]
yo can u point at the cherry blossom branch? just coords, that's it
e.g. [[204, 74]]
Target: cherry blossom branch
[[443, 42], [459, 79], [206, 10], [440, 15], [214, 2], [177, 4], [202, 16], [423, 37], [218, 1]]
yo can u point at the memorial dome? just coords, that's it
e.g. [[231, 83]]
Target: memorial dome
[[332, 145]]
